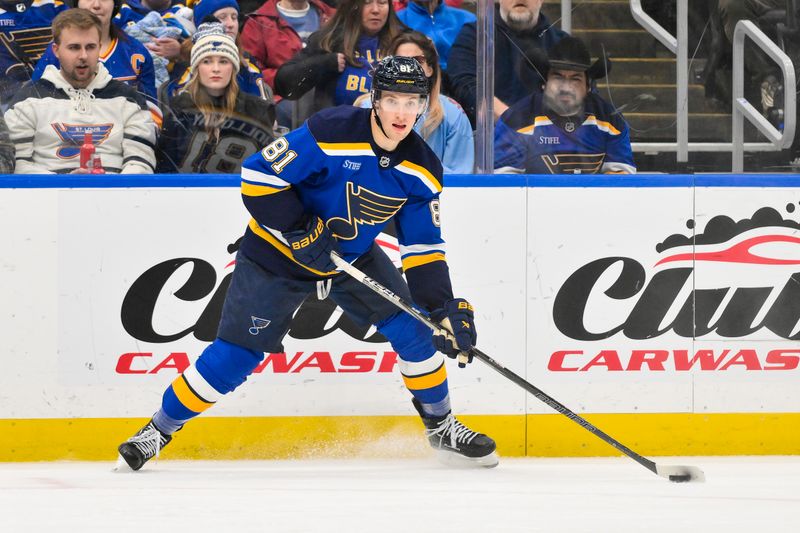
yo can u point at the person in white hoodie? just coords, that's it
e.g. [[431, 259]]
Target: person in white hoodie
[[49, 118]]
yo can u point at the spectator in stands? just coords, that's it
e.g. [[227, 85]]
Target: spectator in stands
[[402, 4], [276, 32], [444, 126], [212, 126], [6, 149], [339, 56], [764, 72], [567, 128], [24, 35], [438, 21], [225, 12], [126, 59], [521, 31], [49, 117]]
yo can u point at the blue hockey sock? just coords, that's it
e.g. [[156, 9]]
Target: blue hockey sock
[[221, 368]]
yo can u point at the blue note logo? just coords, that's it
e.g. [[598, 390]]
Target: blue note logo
[[258, 324], [71, 136]]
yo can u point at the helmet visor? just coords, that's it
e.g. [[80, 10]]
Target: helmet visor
[[403, 103]]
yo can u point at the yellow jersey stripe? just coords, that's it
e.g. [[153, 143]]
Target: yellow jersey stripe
[[418, 260], [346, 148], [282, 248], [187, 396], [422, 173], [427, 381], [250, 189]]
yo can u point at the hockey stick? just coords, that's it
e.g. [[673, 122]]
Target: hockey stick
[[677, 474]]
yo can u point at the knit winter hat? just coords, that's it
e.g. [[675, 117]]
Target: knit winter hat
[[206, 8], [210, 39]]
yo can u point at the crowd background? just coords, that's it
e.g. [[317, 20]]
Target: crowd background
[[295, 57]]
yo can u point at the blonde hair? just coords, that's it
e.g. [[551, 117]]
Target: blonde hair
[[435, 113], [214, 116]]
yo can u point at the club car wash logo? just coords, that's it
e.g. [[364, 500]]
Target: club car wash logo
[[732, 280], [149, 313]]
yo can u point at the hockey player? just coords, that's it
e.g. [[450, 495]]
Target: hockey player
[[568, 128], [332, 185]]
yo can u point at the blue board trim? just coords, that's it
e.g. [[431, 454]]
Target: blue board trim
[[77, 181]]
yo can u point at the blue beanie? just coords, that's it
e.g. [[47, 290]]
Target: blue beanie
[[205, 8]]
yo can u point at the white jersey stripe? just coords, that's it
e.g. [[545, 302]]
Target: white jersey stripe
[[254, 176], [417, 249]]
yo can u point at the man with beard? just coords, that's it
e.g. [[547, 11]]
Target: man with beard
[[50, 118], [520, 31], [567, 128]]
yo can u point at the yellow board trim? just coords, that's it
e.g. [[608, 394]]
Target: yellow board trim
[[550, 435], [426, 381], [419, 260], [187, 397]]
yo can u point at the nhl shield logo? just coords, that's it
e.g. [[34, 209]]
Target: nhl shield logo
[[384, 161], [569, 127], [21, 8]]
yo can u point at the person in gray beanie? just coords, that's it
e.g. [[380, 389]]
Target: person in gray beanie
[[212, 125]]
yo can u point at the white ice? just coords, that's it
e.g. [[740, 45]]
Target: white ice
[[741, 494]]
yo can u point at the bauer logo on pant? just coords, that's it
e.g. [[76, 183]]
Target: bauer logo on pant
[[258, 324]]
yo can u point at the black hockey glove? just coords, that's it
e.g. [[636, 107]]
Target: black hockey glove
[[312, 245], [458, 317]]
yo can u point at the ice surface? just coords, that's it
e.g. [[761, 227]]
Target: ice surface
[[760, 494]]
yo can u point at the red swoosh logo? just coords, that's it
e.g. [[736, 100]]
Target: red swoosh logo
[[740, 253]]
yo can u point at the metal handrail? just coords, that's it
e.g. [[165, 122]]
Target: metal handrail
[[743, 109], [566, 16], [679, 46]]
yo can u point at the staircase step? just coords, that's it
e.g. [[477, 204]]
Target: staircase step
[[619, 43], [630, 70], [651, 98], [660, 127], [595, 15]]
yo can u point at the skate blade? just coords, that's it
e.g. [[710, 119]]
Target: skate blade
[[122, 466], [455, 460]]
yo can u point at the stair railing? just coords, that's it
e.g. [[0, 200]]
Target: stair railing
[[743, 109], [679, 46]]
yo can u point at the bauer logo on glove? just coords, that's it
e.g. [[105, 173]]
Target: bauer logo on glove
[[457, 318]]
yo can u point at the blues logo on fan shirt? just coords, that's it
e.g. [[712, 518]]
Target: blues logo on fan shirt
[[72, 137], [355, 81]]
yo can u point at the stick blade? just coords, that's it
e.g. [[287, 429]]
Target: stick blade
[[681, 474]]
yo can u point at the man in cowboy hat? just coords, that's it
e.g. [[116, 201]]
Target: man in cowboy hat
[[567, 128]]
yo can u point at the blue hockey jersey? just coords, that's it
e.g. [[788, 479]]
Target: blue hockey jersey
[[24, 35], [126, 60], [528, 139], [332, 168]]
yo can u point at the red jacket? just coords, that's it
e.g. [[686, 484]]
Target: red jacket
[[271, 40]]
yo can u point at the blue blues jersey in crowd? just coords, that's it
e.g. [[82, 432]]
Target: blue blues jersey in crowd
[[331, 167], [529, 139], [355, 81], [24, 35], [126, 59]]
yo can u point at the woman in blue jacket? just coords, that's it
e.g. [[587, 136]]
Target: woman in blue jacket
[[444, 126]]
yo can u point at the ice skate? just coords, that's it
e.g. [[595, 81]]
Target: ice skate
[[458, 445], [146, 444]]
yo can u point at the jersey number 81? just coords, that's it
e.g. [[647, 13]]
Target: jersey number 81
[[279, 148]]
